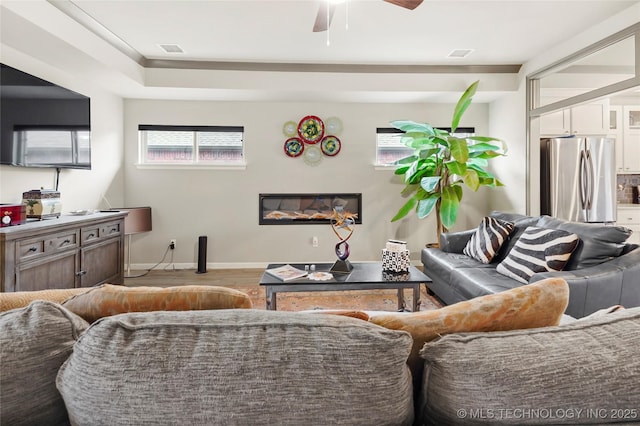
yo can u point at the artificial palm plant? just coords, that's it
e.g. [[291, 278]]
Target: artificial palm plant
[[441, 163]]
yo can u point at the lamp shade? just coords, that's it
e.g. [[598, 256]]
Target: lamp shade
[[138, 220]]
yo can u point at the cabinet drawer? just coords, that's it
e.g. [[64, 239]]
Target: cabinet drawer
[[626, 216], [99, 232], [30, 249], [61, 242], [90, 234], [110, 230]]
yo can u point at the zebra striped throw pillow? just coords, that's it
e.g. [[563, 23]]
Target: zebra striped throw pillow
[[538, 250], [488, 238]]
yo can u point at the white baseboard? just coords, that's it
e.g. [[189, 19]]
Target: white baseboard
[[213, 265]]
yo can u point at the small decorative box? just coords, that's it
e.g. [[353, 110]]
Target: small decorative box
[[395, 257], [42, 203]]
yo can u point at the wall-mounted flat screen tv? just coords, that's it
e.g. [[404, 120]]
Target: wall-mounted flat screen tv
[[41, 123]]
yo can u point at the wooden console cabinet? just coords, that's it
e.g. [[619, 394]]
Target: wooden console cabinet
[[66, 252]]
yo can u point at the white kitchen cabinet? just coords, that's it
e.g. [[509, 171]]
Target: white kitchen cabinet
[[587, 119], [615, 131], [629, 217], [631, 138]]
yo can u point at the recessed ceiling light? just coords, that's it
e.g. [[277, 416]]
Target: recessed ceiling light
[[459, 53], [171, 48]]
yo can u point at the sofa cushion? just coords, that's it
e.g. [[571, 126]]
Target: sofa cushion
[[538, 250], [238, 367], [34, 342], [109, 299], [485, 243], [586, 370], [475, 282], [438, 263], [20, 299], [535, 305], [598, 243]]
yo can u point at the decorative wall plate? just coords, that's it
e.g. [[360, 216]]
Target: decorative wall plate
[[330, 145], [311, 129], [290, 128], [293, 147], [333, 126], [312, 155]]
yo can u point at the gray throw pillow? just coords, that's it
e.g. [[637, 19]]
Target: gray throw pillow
[[538, 250], [34, 342]]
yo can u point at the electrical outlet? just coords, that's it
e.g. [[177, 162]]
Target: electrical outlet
[[172, 244], [314, 241]]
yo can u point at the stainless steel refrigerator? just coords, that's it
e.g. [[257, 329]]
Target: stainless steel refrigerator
[[578, 178]]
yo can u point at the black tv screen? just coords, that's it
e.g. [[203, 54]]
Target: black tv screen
[[41, 123]]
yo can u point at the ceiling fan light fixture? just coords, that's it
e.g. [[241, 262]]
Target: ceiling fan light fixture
[[171, 48], [459, 53]]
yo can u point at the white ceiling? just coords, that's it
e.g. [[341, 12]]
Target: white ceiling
[[499, 32], [225, 37]]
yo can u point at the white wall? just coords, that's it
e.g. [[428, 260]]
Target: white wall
[[223, 204], [79, 189]]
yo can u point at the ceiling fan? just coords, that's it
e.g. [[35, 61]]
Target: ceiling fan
[[326, 9]]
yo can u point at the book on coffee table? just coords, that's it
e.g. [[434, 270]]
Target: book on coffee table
[[287, 272]]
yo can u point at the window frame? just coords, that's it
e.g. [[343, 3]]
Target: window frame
[[195, 163], [467, 131]]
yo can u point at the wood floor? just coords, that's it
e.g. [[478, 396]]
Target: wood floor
[[178, 277], [246, 280]]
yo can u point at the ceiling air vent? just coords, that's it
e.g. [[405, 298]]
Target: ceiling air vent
[[459, 53], [171, 48]]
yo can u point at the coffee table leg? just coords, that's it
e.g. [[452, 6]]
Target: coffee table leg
[[416, 298], [270, 299], [401, 305]]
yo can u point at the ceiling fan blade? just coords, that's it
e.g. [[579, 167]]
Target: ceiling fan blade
[[322, 24], [407, 4]]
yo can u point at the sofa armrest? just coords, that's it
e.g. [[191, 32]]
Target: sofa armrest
[[454, 242], [616, 282]]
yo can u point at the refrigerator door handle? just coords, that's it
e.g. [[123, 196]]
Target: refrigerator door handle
[[583, 180], [590, 182]]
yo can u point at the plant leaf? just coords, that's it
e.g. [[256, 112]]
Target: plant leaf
[[412, 126], [449, 206], [407, 160], [471, 179], [426, 206], [429, 183], [456, 167], [462, 105], [408, 190], [482, 147], [401, 170], [459, 149], [404, 210]]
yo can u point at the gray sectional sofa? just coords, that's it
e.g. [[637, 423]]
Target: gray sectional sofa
[[603, 270], [254, 367]]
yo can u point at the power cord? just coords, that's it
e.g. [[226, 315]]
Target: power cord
[[169, 248]]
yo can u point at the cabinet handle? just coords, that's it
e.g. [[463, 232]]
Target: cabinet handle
[[32, 249], [91, 235], [113, 230], [80, 273], [65, 242]]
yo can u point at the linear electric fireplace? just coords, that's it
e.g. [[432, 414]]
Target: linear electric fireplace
[[293, 209]]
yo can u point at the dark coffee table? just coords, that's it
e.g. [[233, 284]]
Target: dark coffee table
[[364, 276]]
